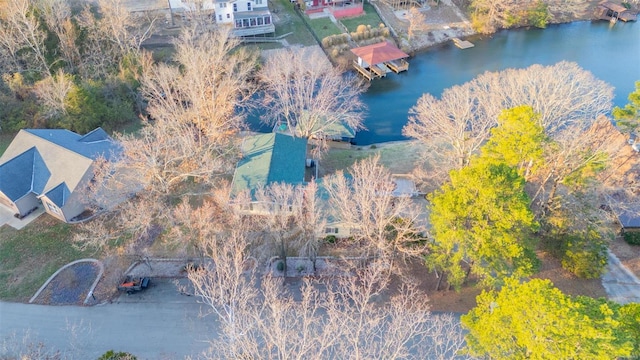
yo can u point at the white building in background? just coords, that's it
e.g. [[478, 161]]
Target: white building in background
[[247, 17], [192, 5]]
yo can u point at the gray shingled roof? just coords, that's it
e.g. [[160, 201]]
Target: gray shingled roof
[[59, 194], [629, 218], [51, 161], [92, 145], [24, 173]]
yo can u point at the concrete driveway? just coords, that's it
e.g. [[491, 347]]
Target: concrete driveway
[[621, 285], [7, 218]]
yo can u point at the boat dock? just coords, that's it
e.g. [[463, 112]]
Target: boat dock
[[397, 66], [462, 44], [376, 60], [370, 72]]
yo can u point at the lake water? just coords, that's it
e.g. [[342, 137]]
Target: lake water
[[611, 53]]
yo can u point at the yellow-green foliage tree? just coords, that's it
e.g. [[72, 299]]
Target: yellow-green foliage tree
[[481, 224], [517, 140], [628, 117], [535, 320], [490, 15]]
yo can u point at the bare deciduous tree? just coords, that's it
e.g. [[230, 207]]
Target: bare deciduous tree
[[457, 124], [309, 95], [57, 16], [111, 36], [281, 204], [53, 90], [363, 202], [22, 38], [417, 22], [351, 319], [226, 284], [191, 140]]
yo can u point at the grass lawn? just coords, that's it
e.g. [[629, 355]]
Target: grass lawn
[[287, 21], [323, 27], [370, 17], [264, 46], [399, 157], [5, 140], [29, 256]]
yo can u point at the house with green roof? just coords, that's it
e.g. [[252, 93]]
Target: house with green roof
[[268, 159], [50, 167]]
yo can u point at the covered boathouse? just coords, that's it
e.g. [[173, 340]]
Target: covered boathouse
[[374, 61], [607, 10]]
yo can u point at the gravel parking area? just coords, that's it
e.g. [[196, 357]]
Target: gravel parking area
[[70, 286]]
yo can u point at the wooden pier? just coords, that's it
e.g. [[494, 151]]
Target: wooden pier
[[376, 60], [397, 66], [462, 44], [371, 72]]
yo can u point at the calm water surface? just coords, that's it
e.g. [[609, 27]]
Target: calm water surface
[[610, 53]]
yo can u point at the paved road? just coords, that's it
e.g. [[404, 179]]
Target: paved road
[[621, 285], [169, 328]]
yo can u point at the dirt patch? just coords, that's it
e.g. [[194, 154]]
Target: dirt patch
[[106, 290], [629, 255]]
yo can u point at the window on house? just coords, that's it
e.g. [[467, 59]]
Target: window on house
[[252, 22], [245, 22], [223, 5], [260, 21], [248, 6], [53, 208], [228, 16], [235, 7], [220, 17], [238, 23], [333, 230], [258, 2], [267, 20]]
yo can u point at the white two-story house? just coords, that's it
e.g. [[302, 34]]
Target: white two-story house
[[248, 17]]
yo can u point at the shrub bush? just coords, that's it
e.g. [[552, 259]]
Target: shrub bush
[[585, 255], [632, 238], [330, 239], [280, 265], [112, 355], [361, 28]]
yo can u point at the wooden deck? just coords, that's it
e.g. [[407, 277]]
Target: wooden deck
[[398, 66], [462, 44], [371, 72]]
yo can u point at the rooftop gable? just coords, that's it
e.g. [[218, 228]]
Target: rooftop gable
[[379, 53], [24, 173], [59, 195]]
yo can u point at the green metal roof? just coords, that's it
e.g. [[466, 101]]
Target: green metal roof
[[270, 158]]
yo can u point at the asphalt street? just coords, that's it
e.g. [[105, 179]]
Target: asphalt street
[[159, 323], [168, 326]]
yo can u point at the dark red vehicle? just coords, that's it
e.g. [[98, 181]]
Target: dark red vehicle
[[132, 284]]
